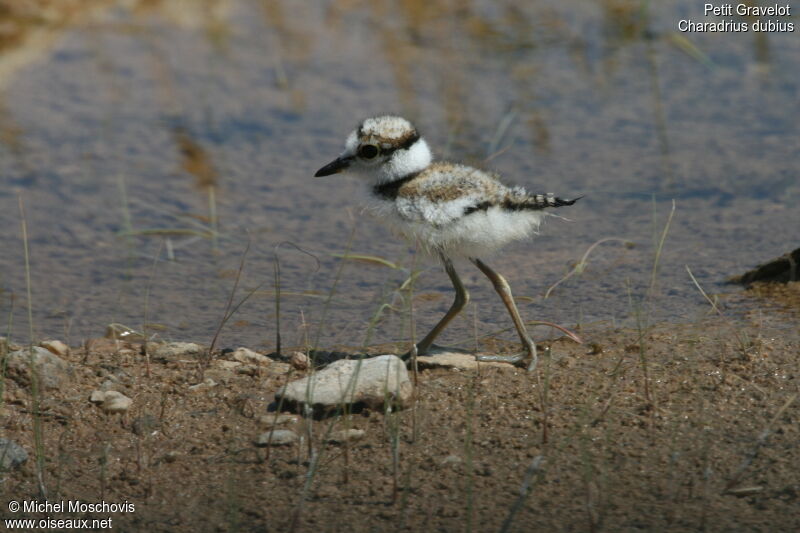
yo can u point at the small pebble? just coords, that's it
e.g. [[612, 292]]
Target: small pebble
[[12, 454], [346, 435], [205, 384], [299, 361], [745, 491], [246, 355], [51, 370], [270, 420], [111, 401], [56, 347], [172, 351], [97, 396], [279, 437]]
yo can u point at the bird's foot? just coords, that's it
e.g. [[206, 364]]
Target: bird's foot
[[519, 359]]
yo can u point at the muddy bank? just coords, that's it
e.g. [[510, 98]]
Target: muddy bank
[[153, 140]]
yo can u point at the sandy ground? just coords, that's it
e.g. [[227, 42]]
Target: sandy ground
[[690, 425], [679, 428]]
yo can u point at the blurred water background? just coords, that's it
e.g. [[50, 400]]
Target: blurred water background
[[152, 140]]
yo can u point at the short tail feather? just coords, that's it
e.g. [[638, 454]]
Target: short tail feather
[[538, 201]]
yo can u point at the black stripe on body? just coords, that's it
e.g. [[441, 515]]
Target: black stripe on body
[[390, 190], [483, 206], [534, 203]]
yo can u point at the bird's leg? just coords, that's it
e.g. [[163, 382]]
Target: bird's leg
[[462, 298], [502, 288]]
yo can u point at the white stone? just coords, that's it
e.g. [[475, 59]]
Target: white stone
[[172, 351], [55, 346], [299, 361], [116, 402], [276, 437], [346, 435], [270, 420], [248, 356], [98, 396], [50, 369], [368, 381]]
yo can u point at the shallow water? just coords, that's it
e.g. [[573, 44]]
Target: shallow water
[[112, 130]]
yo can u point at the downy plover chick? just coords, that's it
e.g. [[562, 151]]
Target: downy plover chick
[[452, 209]]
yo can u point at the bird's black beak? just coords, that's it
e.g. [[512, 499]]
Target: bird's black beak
[[334, 167]]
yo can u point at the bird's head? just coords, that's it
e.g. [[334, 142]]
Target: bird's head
[[382, 149]]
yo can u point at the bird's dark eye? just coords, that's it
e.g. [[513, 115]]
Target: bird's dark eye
[[368, 151]]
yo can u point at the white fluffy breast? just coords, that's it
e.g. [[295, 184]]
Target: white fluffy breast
[[443, 226]]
